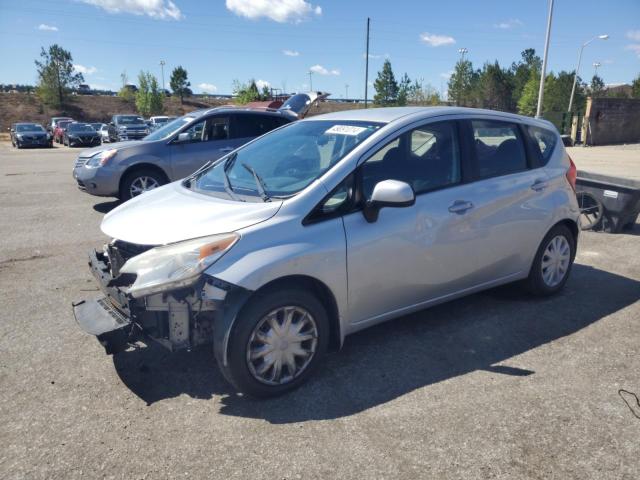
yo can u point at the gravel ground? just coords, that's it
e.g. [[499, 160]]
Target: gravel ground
[[497, 385]]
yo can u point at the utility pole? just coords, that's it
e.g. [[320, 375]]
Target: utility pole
[[310, 81], [543, 74], [346, 88], [366, 68], [162, 64]]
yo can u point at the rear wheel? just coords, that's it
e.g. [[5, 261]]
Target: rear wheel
[[140, 181], [552, 263], [276, 343]]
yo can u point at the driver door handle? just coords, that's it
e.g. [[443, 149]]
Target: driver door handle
[[226, 149], [460, 206], [539, 185]]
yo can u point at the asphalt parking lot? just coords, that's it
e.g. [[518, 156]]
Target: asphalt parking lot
[[497, 385]]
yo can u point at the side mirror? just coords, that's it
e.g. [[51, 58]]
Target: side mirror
[[183, 137], [388, 193]]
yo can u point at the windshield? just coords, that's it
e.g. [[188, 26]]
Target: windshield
[[29, 128], [79, 127], [129, 120], [63, 125], [96, 126], [168, 129], [285, 161]]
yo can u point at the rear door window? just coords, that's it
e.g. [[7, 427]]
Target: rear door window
[[499, 148], [254, 125], [543, 143]]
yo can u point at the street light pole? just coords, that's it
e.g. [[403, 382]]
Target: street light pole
[[543, 74], [462, 51], [346, 88], [595, 68], [162, 64], [310, 81], [575, 76]]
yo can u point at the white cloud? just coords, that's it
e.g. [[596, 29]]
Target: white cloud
[[320, 70], [262, 83], [47, 28], [84, 70], [634, 35], [159, 9], [291, 53], [509, 24], [436, 40], [207, 87], [281, 11], [634, 47]]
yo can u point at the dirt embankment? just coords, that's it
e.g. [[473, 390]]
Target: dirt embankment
[[23, 107]]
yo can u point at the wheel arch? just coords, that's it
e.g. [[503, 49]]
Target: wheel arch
[[141, 166]]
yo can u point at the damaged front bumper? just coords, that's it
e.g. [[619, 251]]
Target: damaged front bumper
[[180, 319]]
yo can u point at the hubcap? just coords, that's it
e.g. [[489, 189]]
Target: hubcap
[[282, 345], [142, 184], [555, 261]]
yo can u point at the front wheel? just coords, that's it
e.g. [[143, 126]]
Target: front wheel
[[552, 263], [277, 341], [140, 181]]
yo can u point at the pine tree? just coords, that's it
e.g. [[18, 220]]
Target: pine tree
[[462, 83], [597, 86], [56, 76], [386, 86], [179, 83]]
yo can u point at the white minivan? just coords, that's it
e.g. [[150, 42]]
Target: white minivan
[[323, 227]]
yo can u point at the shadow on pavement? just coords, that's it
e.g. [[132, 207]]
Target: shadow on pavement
[[106, 207], [384, 362]]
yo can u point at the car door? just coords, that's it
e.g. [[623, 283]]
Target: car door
[[249, 125], [415, 254], [511, 204], [205, 140]]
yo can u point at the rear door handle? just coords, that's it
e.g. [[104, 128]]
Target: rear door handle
[[460, 206], [539, 185]]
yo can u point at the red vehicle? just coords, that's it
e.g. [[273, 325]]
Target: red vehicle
[[61, 127]]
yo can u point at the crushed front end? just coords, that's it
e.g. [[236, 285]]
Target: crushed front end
[[178, 318]]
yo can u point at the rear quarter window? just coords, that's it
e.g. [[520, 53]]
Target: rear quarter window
[[543, 143]]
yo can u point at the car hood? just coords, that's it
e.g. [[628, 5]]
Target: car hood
[[118, 145], [173, 213]]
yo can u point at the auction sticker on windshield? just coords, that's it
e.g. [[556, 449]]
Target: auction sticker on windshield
[[345, 130]]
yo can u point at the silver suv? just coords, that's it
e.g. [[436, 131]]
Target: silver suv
[[330, 225]]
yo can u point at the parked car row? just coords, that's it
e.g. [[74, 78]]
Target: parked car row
[[275, 248]]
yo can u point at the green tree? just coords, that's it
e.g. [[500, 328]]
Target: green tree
[[635, 87], [558, 90], [403, 90], [528, 101], [179, 83], [246, 92], [597, 86], [495, 88], [386, 86], [266, 93], [462, 84], [148, 96], [126, 91], [530, 62], [420, 93], [56, 76]]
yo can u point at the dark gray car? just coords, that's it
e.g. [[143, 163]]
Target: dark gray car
[[174, 151], [30, 135]]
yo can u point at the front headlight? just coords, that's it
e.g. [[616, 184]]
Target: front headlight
[[100, 159], [177, 265], [19, 136]]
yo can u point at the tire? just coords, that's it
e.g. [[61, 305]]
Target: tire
[[18, 146], [306, 310], [541, 280], [135, 178], [590, 211]]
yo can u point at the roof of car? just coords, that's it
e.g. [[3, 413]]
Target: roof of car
[[234, 109], [390, 114]]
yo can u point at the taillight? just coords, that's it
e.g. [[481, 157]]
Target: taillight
[[572, 173]]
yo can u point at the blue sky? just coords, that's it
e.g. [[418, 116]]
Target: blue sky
[[279, 41]]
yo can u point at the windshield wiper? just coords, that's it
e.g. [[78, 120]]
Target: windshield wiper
[[259, 183], [228, 164]]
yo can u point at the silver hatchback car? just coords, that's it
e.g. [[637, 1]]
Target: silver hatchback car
[[329, 225]]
